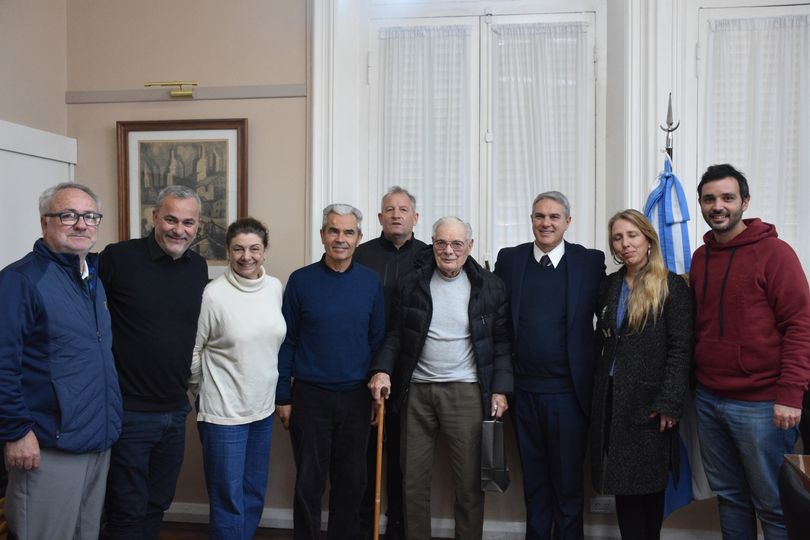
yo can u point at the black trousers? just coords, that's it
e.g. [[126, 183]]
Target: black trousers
[[329, 432], [640, 516]]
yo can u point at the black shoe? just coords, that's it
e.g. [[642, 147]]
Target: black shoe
[[395, 530]]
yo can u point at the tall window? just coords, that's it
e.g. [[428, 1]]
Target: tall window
[[542, 126], [756, 114], [428, 116], [477, 115]]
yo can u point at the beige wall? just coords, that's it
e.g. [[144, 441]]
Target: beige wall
[[119, 44], [33, 66]]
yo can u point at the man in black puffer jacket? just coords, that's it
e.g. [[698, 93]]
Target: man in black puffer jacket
[[446, 363]]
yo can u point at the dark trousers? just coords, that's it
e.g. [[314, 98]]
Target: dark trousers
[[640, 516], [144, 467], [552, 433], [393, 480], [329, 435]]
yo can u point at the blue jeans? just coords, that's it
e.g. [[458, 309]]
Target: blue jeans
[[236, 461], [742, 452], [144, 466]]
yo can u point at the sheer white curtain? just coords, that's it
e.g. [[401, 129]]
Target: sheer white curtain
[[425, 97], [757, 116], [540, 126]]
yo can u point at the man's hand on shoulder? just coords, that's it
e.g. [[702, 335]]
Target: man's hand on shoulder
[[785, 417], [23, 453]]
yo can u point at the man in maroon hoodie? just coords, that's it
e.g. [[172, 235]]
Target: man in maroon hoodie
[[752, 356]]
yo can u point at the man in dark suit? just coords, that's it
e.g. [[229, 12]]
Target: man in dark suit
[[553, 287]]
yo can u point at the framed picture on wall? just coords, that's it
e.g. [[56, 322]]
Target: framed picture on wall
[[209, 156]]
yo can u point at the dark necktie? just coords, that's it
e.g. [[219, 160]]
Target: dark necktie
[[545, 262]]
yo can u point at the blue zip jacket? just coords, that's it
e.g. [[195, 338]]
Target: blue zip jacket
[[56, 364]]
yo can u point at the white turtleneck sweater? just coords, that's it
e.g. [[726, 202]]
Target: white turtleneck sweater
[[234, 367]]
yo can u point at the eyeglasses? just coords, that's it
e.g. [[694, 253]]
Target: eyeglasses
[[441, 245], [91, 219]]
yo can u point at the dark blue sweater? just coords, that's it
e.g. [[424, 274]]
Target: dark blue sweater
[[335, 324], [541, 363]]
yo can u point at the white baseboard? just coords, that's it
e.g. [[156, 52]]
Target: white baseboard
[[282, 518]]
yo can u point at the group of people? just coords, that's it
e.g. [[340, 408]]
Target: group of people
[[97, 354]]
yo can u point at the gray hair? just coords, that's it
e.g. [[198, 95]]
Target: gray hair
[[452, 220], [554, 196], [178, 192], [342, 210], [47, 196], [393, 190]]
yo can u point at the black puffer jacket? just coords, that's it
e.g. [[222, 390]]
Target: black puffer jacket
[[410, 320]]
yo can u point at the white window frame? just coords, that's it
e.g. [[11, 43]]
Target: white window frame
[[678, 61], [339, 96], [375, 186]]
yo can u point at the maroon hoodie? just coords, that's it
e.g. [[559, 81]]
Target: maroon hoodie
[[753, 317]]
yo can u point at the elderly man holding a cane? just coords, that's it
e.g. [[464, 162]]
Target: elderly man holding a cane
[[446, 363]]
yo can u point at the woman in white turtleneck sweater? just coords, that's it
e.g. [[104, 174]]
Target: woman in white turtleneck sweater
[[234, 371]]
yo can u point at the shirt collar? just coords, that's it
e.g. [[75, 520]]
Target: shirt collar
[[555, 254]]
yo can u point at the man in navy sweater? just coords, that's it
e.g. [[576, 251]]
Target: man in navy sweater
[[553, 287], [335, 317]]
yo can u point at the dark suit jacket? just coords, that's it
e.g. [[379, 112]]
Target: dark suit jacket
[[586, 268]]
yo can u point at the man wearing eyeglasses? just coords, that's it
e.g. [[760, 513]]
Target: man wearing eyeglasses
[[446, 363], [60, 407], [154, 286]]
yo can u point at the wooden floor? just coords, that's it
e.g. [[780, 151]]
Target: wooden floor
[[195, 531]]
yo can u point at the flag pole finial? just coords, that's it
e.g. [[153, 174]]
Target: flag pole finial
[[671, 126]]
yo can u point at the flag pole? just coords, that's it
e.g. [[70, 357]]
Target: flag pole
[[671, 126]]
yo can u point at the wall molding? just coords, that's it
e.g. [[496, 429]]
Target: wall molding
[[270, 91]]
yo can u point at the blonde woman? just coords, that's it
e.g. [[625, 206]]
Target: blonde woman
[[644, 335]]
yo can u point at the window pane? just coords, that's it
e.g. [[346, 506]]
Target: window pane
[[541, 137], [425, 99], [757, 115]]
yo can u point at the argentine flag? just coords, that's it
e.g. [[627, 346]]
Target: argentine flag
[[668, 212]]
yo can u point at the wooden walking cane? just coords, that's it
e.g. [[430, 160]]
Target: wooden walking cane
[[378, 477]]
